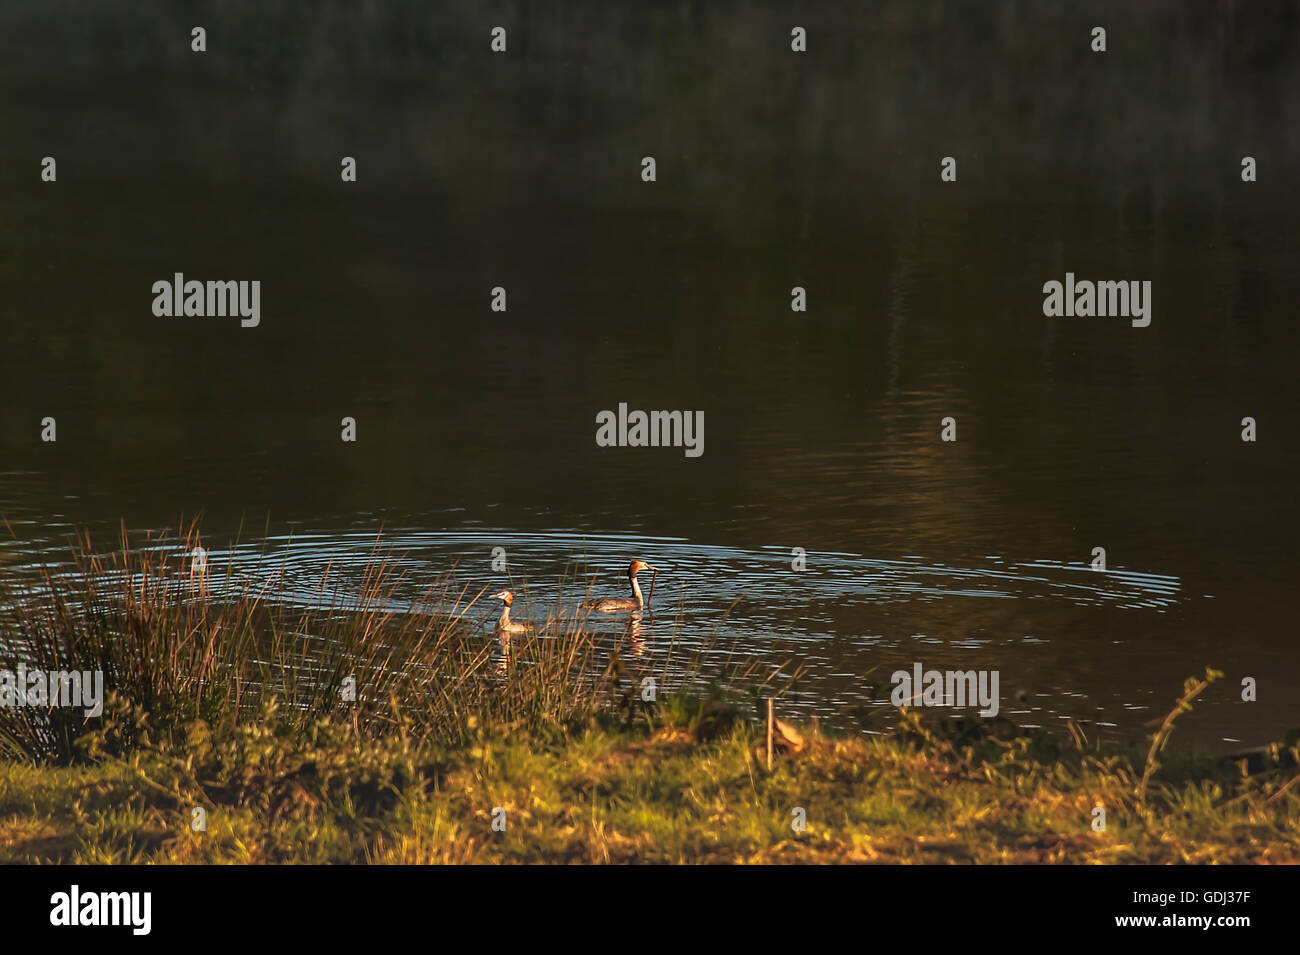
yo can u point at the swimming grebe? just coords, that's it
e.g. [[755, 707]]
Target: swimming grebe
[[622, 604], [505, 624]]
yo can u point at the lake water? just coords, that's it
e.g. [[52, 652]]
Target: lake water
[[476, 429]]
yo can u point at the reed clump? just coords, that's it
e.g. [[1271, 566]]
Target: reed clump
[[179, 637]]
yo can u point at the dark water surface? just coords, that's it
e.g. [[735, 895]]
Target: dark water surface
[[477, 429]]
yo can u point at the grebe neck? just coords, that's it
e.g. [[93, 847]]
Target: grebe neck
[[636, 593]]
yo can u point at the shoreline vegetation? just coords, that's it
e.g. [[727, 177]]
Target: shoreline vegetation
[[241, 730]]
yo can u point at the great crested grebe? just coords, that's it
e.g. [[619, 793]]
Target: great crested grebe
[[505, 624], [622, 604]]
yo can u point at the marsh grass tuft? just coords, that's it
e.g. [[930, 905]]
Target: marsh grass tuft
[[174, 649], [1192, 688]]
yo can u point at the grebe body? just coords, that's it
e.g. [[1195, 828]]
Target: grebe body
[[622, 604]]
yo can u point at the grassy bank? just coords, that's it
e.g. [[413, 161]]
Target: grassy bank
[[451, 750], [682, 790]]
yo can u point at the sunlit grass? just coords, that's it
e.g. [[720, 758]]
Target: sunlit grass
[[643, 792], [235, 706]]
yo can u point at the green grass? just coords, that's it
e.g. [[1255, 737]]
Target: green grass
[[235, 707], [647, 791]]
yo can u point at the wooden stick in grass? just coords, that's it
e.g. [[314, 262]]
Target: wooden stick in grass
[[771, 718]]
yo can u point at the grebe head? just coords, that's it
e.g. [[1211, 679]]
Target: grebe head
[[506, 596], [636, 567]]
